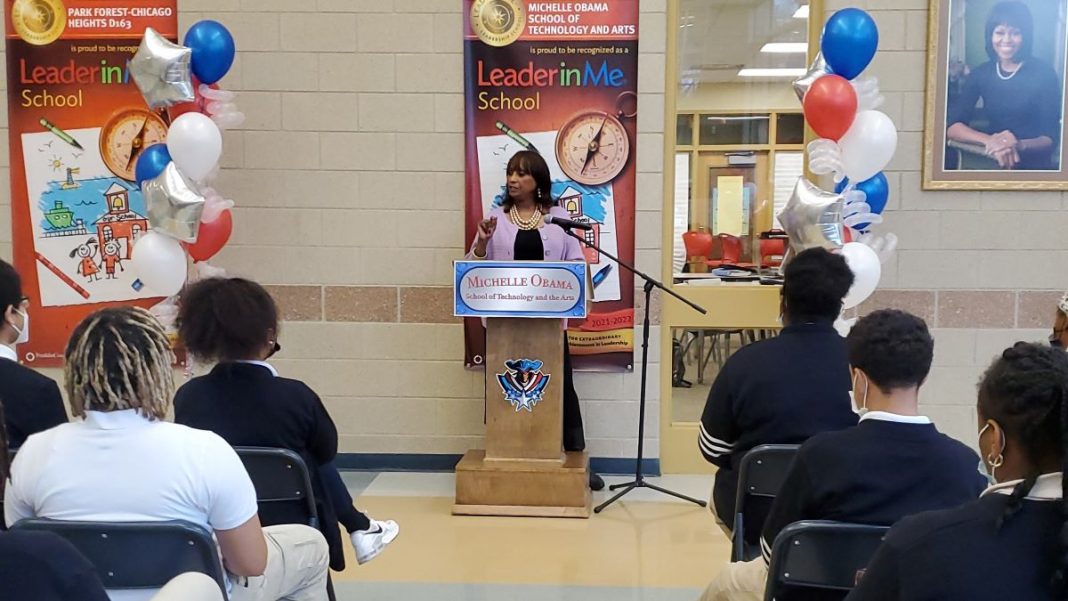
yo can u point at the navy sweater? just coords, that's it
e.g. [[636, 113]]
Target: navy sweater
[[875, 473], [776, 391], [960, 555]]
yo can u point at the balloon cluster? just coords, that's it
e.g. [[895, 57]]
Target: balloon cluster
[[856, 142], [186, 215]]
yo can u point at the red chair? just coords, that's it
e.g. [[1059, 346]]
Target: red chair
[[698, 244], [731, 247], [772, 251]]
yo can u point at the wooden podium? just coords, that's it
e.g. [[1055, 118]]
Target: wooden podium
[[523, 470]]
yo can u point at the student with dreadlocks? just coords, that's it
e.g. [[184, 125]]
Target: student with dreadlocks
[[1012, 543], [123, 462]]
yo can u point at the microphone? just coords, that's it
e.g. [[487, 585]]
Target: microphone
[[567, 223]]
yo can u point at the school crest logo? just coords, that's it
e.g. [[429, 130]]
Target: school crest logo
[[523, 383]]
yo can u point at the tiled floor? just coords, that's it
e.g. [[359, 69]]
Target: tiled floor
[[647, 547]]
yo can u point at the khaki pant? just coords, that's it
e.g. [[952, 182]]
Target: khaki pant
[[191, 586], [741, 581], [297, 559]]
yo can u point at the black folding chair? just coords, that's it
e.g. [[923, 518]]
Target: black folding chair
[[283, 489], [760, 474], [139, 555], [283, 486], [821, 555]]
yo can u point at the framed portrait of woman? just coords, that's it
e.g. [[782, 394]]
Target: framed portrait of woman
[[996, 97]]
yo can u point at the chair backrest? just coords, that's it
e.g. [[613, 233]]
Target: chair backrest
[[762, 471], [772, 250], [760, 474], [821, 554], [283, 485], [698, 243], [139, 555], [732, 248]]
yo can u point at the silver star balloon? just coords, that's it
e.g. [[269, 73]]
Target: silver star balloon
[[816, 70], [160, 68], [812, 217], [174, 204]]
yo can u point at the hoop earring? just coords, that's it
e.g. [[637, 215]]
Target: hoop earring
[[995, 463]]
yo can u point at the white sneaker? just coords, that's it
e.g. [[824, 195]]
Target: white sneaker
[[369, 543]]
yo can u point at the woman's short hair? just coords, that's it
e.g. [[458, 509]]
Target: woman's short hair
[[1014, 14], [532, 163], [892, 347], [814, 284], [10, 287], [226, 319], [119, 359]]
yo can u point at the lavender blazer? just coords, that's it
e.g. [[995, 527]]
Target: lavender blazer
[[501, 247]]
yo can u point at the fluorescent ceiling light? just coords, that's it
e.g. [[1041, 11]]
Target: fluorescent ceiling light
[[802, 12], [785, 47], [752, 72]]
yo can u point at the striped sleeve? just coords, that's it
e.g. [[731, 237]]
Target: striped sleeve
[[719, 431]]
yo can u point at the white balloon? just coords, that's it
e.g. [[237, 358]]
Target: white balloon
[[868, 146], [824, 156], [868, 95], [195, 144], [160, 263], [866, 269]]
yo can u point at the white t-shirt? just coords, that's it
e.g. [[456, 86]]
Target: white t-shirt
[[120, 467]]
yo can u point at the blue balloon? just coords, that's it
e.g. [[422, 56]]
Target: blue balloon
[[213, 50], [151, 163], [849, 41], [876, 191]]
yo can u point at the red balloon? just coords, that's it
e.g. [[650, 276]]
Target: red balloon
[[830, 106], [211, 237]]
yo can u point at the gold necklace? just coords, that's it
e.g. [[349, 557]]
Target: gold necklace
[[530, 223]]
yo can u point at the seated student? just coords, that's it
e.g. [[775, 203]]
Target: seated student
[[785, 389], [1059, 338], [894, 463], [33, 401], [124, 463], [235, 322], [1010, 543]]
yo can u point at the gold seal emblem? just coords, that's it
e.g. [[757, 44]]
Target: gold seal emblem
[[39, 22], [498, 22]]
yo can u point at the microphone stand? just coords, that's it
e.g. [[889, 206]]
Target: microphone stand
[[639, 477]]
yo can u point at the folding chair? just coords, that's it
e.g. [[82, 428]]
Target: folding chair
[[823, 555], [760, 475], [139, 555]]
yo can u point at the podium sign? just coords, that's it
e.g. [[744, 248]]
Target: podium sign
[[519, 289], [523, 469]]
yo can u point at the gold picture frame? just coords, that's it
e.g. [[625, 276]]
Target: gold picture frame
[[956, 71]]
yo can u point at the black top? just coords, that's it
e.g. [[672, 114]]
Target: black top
[[32, 402], [960, 555], [42, 566], [247, 405], [528, 246], [1028, 104], [855, 475]]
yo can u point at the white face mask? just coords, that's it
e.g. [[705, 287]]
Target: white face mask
[[861, 410], [24, 331]]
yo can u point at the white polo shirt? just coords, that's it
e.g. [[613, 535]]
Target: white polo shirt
[[119, 467]]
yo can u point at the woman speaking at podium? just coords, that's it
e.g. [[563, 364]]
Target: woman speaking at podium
[[523, 236]]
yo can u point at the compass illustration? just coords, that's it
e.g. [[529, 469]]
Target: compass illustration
[[592, 147], [126, 135]]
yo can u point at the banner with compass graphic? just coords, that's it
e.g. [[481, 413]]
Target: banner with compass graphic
[[560, 79], [76, 121]]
